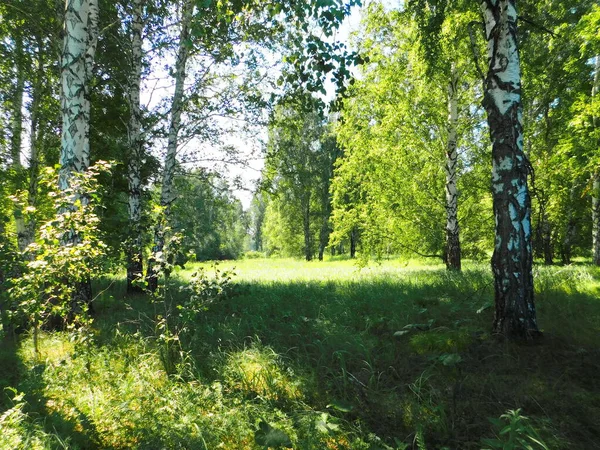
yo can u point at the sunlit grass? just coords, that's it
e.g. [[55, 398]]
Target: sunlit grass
[[331, 354]]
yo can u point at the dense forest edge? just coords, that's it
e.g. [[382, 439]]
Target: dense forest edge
[[231, 224]]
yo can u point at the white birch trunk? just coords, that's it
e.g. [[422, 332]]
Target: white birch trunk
[[16, 138], [74, 155], [453, 257], [92, 42], [596, 186], [81, 33], [134, 178], [167, 194], [515, 316], [33, 159]]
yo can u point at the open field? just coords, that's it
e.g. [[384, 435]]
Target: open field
[[396, 355]]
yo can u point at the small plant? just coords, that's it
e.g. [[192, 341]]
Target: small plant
[[63, 258], [268, 436], [19, 432], [204, 290], [174, 320], [513, 432]]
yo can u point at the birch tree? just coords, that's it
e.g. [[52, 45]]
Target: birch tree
[[453, 257], [16, 130], [406, 120], [515, 315], [28, 85], [135, 146], [81, 33], [296, 170], [167, 194], [596, 176]]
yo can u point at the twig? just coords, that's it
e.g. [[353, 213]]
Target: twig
[[526, 19], [474, 48]]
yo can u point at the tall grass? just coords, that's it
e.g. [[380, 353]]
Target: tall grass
[[394, 355]]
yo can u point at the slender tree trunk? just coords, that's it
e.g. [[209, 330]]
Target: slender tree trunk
[[515, 315], [36, 98], [134, 251], [570, 232], [326, 205], [323, 236], [167, 195], [596, 182], [453, 257], [546, 235], [81, 28], [16, 138], [596, 219], [308, 250], [353, 242]]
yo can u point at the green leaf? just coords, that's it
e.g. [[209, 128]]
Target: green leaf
[[340, 405], [401, 333], [450, 359], [269, 436]]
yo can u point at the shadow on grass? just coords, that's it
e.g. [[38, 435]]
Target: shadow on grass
[[43, 421], [403, 354], [382, 347]]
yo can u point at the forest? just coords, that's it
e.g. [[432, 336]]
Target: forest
[[308, 224]]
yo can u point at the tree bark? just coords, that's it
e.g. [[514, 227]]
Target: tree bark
[[134, 249], [33, 159], [453, 257], [596, 182], [353, 242], [515, 315], [16, 135], [308, 250], [546, 236], [323, 236], [81, 32], [167, 195]]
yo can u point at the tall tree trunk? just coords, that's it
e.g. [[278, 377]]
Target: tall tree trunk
[[308, 250], [596, 219], [326, 206], [16, 138], [323, 236], [167, 195], [515, 315], [81, 28], [596, 186], [134, 251], [353, 242], [452, 229], [546, 237], [33, 159], [570, 232]]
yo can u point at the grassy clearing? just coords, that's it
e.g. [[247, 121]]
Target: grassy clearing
[[391, 356]]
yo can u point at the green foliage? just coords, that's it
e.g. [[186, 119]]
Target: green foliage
[[268, 436], [390, 182], [514, 433], [211, 221], [19, 432], [298, 171], [68, 251], [174, 319]]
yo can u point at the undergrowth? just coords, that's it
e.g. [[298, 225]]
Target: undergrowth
[[316, 356]]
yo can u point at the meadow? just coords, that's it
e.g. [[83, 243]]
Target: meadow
[[320, 355]]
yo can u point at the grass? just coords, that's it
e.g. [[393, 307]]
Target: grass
[[390, 356]]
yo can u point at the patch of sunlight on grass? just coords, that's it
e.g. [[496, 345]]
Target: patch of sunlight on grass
[[287, 269], [54, 347], [259, 372]]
